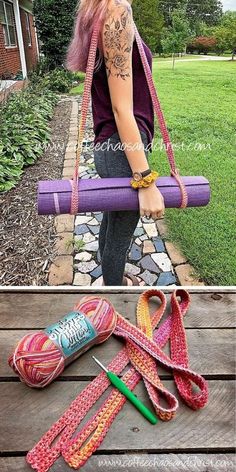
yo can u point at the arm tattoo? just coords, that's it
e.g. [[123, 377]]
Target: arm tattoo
[[118, 37]]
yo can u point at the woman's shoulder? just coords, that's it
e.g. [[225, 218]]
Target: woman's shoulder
[[120, 10], [120, 4]]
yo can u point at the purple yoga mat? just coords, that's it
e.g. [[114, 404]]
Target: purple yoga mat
[[54, 197]]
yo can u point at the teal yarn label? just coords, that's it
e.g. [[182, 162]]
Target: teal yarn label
[[73, 334]]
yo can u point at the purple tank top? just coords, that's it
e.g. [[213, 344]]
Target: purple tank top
[[104, 124]]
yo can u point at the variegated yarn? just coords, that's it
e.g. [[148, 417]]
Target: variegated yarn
[[37, 360]]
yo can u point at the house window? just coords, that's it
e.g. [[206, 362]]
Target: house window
[[28, 32], [7, 20]]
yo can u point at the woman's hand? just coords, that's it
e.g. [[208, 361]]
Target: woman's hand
[[151, 202]]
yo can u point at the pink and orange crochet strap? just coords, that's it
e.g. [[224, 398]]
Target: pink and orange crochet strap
[[144, 351]]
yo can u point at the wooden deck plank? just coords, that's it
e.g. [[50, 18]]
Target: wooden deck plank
[[205, 346], [36, 310], [26, 414], [207, 310], [137, 463]]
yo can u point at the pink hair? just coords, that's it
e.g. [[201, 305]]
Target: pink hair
[[88, 13]]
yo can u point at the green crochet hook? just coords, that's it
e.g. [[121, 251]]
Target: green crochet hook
[[122, 387]]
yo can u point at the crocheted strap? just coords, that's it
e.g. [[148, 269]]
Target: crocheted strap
[[142, 350], [83, 113], [156, 106], [161, 120], [76, 453]]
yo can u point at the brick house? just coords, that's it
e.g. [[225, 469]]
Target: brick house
[[18, 38]]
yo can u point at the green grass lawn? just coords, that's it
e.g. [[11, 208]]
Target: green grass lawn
[[78, 90], [198, 99]]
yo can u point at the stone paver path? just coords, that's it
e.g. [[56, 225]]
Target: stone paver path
[[148, 258], [201, 58]]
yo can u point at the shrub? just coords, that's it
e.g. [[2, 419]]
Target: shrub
[[202, 44], [23, 130], [58, 80], [41, 68]]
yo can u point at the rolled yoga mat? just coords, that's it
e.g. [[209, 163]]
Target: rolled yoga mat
[[116, 194]]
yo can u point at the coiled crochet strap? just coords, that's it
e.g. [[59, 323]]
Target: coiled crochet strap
[[143, 349], [156, 106]]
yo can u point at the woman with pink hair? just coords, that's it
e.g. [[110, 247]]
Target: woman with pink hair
[[123, 123]]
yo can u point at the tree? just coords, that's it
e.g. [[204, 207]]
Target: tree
[[201, 29], [150, 21], [225, 33], [176, 36], [167, 8], [207, 11], [197, 11], [54, 21]]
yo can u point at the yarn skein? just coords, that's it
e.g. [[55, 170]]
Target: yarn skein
[[38, 360]]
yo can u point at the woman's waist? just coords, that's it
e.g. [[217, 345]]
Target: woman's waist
[[109, 135]]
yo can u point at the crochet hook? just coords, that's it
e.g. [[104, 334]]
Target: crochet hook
[[122, 387]]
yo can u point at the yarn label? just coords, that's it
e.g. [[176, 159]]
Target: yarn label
[[73, 334]]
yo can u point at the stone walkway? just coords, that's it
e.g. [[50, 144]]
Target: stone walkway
[[201, 58], [155, 261], [147, 257]]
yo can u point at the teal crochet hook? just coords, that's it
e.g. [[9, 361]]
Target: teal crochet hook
[[122, 387]]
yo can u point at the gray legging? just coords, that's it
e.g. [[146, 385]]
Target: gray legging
[[117, 227]]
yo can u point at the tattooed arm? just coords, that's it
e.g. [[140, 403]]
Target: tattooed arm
[[118, 36], [117, 42]]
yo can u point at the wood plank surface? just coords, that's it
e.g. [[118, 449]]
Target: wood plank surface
[[205, 346], [195, 441], [26, 414], [36, 310], [137, 463]]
